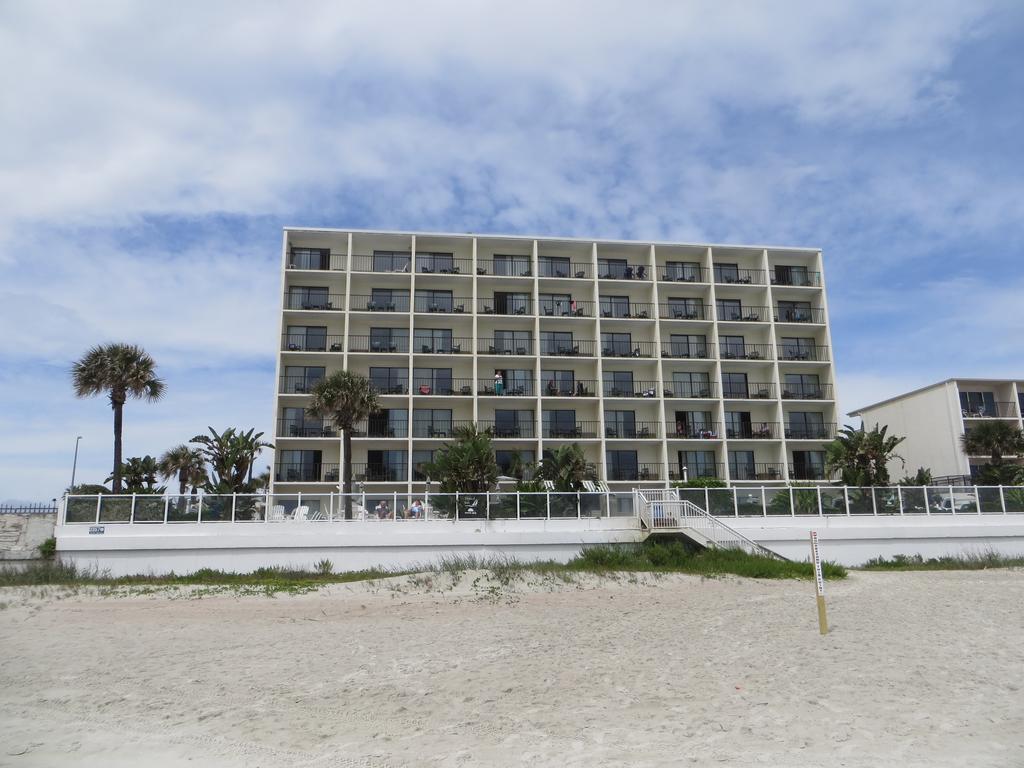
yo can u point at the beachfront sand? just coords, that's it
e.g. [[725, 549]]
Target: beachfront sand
[[920, 669]]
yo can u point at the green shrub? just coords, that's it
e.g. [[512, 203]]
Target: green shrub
[[48, 548], [700, 482]]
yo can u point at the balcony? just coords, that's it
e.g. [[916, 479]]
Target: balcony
[[379, 473], [575, 388], [517, 267], [645, 389], [306, 428], [680, 430], [800, 278], [574, 348], [453, 346], [306, 473], [504, 431], [731, 351], [678, 311], [731, 276], [643, 471], [806, 391], [698, 470], [685, 350], [616, 271], [444, 388], [301, 342], [639, 430], [487, 388], [381, 428], [996, 410], [754, 391], [628, 349], [806, 472], [802, 315], [813, 354], [297, 385], [443, 305], [756, 430], [382, 262], [316, 259], [685, 275], [522, 348], [580, 430], [690, 390], [301, 299], [578, 270], [756, 471], [395, 303], [442, 264], [377, 344], [390, 387], [635, 310], [438, 429], [572, 308], [810, 431], [742, 314], [509, 306]]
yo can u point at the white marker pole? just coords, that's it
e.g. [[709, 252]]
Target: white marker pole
[[819, 583]]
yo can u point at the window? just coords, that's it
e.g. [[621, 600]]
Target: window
[[617, 383], [686, 309], [684, 271], [297, 422], [435, 262], [615, 306], [300, 466], [511, 266], [391, 261], [556, 304], [622, 465], [788, 275], [553, 266], [794, 348], [434, 301], [803, 385], [389, 340], [390, 381], [308, 338], [978, 403], [688, 345], [300, 297], [794, 311], [432, 381], [560, 423], [512, 343], [388, 300], [729, 309], [741, 465], [692, 384], [616, 344], [310, 258], [516, 381], [696, 464], [511, 303], [432, 422], [432, 340], [808, 465], [556, 343], [299, 379], [620, 423], [737, 424], [388, 422], [558, 382], [805, 425], [735, 385], [616, 268], [385, 466], [727, 273], [732, 347], [513, 423], [694, 425]]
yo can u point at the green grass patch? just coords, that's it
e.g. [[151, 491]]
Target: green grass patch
[[968, 562]]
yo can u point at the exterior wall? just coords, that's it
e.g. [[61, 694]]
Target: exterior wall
[[21, 535]]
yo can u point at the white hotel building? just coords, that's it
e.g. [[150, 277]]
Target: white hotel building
[[661, 360]]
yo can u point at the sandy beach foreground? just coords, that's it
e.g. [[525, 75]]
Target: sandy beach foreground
[[921, 669]]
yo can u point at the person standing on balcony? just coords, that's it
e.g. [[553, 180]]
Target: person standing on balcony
[[499, 384]]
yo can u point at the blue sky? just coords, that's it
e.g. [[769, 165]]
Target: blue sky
[[152, 152]]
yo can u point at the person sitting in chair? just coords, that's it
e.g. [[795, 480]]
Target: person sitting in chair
[[415, 512], [383, 510]]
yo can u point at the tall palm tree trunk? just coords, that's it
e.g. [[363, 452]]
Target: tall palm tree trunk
[[118, 406], [346, 485]]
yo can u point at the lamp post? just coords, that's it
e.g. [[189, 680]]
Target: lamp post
[[74, 464]]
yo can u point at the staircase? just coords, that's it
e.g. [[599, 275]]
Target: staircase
[[662, 511]]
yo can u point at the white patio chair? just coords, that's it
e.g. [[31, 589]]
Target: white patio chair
[[317, 514], [277, 513], [301, 513]]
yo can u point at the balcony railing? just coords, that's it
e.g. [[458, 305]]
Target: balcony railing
[[363, 303], [685, 275], [391, 387], [639, 430], [397, 262], [574, 348], [454, 346], [300, 342], [306, 428], [694, 471], [803, 315], [378, 344], [756, 430], [450, 387], [489, 306], [628, 349], [561, 308], [520, 267], [690, 390], [685, 312], [297, 385], [682, 349], [319, 259], [798, 278], [306, 473], [334, 302], [381, 429], [680, 430], [454, 305], [754, 391], [505, 347], [623, 272], [439, 430], [580, 430], [743, 314], [817, 353], [635, 310], [730, 351], [805, 472], [576, 388], [579, 270], [756, 471], [525, 430], [740, 276], [642, 471], [634, 389], [443, 265], [487, 388], [997, 410], [379, 473], [806, 391], [810, 431]]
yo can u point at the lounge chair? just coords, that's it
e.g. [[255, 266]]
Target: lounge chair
[[276, 513]]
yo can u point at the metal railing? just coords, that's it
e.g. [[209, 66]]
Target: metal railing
[[442, 264], [575, 388], [623, 271], [449, 387], [505, 347], [580, 430], [578, 270], [996, 410], [628, 349], [365, 303], [757, 471], [799, 278], [635, 310], [755, 430], [525, 430], [390, 387], [443, 305], [806, 391], [803, 315], [439, 430], [363, 472], [458, 345], [488, 388], [390, 262], [306, 428], [804, 472], [489, 306], [648, 389], [676, 312], [810, 431], [299, 342], [762, 390], [739, 276], [378, 344], [695, 471], [638, 430], [685, 275], [679, 430], [518, 267], [561, 308], [381, 429], [642, 472], [306, 473], [316, 259], [574, 348], [685, 350], [815, 354], [690, 390], [743, 314], [302, 300], [297, 385], [728, 350]]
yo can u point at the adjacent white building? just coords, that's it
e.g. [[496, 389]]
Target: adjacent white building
[[934, 418], [662, 360]]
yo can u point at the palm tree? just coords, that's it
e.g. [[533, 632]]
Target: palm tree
[[345, 398], [862, 457], [119, 371], [567, 468], [467, 464], [187, 464], [995, 439], [230, 454]]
